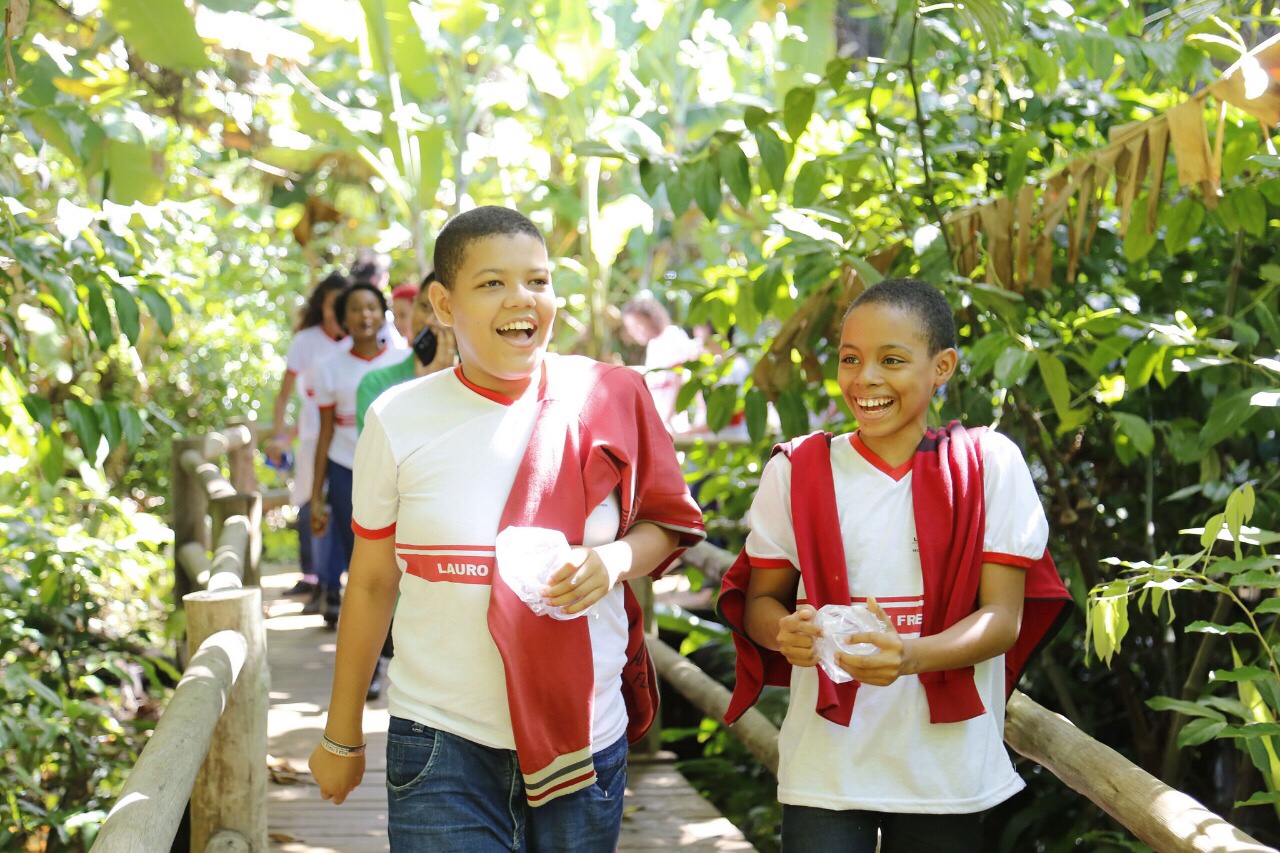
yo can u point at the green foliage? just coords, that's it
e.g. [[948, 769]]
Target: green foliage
[[81, 605], [157, 227], [1239, 704]]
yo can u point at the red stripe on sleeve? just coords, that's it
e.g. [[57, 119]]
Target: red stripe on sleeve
[[366, 533], [1007, 559], [766, 563]]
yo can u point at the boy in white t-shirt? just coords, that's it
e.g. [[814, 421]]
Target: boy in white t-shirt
[[940, 533], [509, 730]]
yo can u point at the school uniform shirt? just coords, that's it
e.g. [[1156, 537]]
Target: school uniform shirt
[[891, 758], [436, 462], [310, 348], [337, 385], [668, 349]]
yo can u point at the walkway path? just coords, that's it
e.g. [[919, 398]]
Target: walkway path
[[662, 811]]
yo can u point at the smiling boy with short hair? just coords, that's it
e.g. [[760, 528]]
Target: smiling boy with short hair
[[507, 728]]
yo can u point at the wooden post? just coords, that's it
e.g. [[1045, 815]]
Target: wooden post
[[228, 841], [250, 508], [146, 817], [231, 790], [1156, 814], [240, 456], [188, 503]]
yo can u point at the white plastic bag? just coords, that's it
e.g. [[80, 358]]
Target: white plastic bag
[[837, 622], [527, 557]]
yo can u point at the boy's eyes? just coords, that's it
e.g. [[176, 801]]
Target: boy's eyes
[[533, 282], [890, 359]]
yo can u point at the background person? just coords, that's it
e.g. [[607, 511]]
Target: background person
[[318, 337], [362, 309]]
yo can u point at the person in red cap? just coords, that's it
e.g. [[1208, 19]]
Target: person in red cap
[[402, 298]]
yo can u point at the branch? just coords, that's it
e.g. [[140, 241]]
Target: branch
[[924, 140]]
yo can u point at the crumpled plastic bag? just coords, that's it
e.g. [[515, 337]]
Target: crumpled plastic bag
[[527, 557], [837, 622]]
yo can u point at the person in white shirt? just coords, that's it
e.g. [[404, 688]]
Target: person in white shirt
[[666, 346], [318, 337], [362, 308]]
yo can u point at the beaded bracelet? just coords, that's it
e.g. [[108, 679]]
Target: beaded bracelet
[[341, 749]]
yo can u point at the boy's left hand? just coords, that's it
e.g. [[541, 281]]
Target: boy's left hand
[[579, 583], [880, 669]]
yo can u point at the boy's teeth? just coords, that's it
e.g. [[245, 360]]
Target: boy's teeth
[[516, 325], [874, 403]]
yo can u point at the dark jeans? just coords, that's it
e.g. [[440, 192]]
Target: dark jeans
[[306, 546], [339, 539], [810, 830], [450, 795]]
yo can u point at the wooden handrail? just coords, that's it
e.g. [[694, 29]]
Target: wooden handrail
[[757, 734], [1155, 813], [146, 816]]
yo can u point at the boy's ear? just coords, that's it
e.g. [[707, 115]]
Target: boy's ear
[[441, 302], [944, 365]]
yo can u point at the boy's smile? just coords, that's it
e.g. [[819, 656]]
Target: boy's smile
[[887, 377], [501, 307]]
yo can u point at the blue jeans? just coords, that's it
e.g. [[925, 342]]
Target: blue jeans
[[450, 795], [811, 830], [339, 540]]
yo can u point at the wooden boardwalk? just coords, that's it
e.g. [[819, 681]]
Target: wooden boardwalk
[[662, 811]]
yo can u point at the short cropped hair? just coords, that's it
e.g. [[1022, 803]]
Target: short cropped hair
[[464, 229], [938, 325], [340, 305]]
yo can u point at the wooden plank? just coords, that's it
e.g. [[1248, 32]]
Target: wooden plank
[[663, 812]]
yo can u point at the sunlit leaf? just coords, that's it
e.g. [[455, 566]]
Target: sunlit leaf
[[159, 307], [797, 110], [736, 172], [160, 31], [1200, 731], [1187, 709], [773, 155], [100, 316], [126, 312], [84, 422]]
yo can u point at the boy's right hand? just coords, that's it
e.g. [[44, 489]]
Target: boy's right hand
[[796, 635], [337, 775]]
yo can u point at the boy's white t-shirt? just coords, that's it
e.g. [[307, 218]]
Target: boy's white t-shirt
[[434, 466], [337, 382], [891, 758]]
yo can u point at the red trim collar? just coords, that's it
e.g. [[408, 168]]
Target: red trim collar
[[497, 397], [896, 473], [483, 392]]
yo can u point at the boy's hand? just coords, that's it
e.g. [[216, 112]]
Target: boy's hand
[[319, 519], [579, 583], [884, 667], [337, 775], [796, 633]]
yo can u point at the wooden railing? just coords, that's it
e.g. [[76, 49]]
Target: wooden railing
[[210, 745], [1158, 815]]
